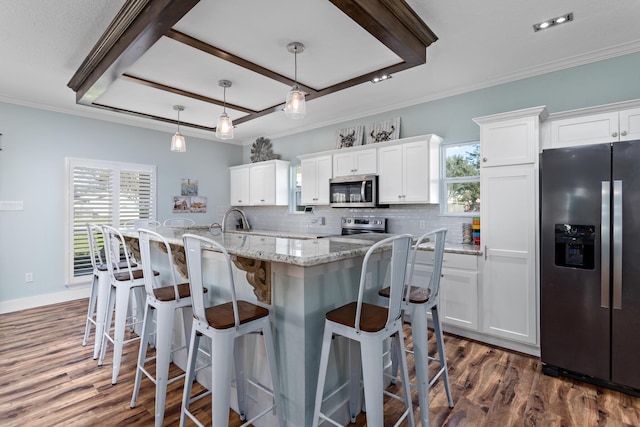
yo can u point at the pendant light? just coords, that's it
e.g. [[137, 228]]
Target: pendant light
[[295, 107], [178, 144], [224, 128]]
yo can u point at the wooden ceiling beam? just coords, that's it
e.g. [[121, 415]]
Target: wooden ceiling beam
[[394, 24], [138, 25], [229, 57], [160, 86]]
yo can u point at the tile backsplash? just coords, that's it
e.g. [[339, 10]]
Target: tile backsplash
[[400, 219]]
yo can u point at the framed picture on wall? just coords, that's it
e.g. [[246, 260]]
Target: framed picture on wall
[[181, 204], [189, 187], [198, 204]]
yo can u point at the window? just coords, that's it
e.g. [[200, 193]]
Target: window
[[461, 178], [105, 193], [295, 203]]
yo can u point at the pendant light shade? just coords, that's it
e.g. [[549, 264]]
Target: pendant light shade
[[295, 107], [178, 143], [224, 128]]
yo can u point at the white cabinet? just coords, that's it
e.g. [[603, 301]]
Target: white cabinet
[[509, 223], [458, 287], [267, 182], [409, 172], [355, 162], [239, 189], [316, 173], [599, 128], [511, 141], [508, 236]]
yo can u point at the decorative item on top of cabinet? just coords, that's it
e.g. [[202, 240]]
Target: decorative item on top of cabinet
[[386, 130], [261, 150], [349, 137]]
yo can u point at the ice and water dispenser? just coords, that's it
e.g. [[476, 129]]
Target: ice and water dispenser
[[575, 245]]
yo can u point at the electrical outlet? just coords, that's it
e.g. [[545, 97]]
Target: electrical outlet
[[28, 277], [423, 225], [368, 281]]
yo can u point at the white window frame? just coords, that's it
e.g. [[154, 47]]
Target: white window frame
[[116, 219], [444, 180]]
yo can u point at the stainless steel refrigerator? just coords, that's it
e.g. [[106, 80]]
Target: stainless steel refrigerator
[[590, 263]]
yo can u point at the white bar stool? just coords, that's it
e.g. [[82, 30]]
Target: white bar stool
[[123, 281], [419, 300], [98, 298], [223, 324], [96, 262], [164, 301], [370, 325]]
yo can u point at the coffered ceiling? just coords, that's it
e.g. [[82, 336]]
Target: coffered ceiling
[[131, 61]]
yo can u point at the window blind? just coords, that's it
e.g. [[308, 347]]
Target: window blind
[[102, 193]]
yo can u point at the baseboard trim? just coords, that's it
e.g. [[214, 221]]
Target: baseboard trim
[[44, 299]]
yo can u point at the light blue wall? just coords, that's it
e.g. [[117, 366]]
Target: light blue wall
[[603, 82], [32, 167], [35, 143]]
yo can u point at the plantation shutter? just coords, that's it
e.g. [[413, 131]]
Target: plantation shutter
[[104, 193]]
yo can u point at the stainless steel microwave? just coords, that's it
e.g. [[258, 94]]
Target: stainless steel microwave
[[358, 191]]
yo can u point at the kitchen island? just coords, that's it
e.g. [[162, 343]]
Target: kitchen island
[[306, 278]]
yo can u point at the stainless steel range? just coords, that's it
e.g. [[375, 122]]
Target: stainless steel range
[[361, 225]]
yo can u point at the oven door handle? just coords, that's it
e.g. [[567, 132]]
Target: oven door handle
[[362, 187]]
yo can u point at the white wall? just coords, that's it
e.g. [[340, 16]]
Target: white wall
[[32, 165]]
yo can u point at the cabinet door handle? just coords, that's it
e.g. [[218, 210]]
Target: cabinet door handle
[[614, 134], [484, 159], [485, 252], [623, 133]]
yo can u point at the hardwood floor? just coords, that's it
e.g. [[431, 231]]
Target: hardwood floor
[[48, 379]]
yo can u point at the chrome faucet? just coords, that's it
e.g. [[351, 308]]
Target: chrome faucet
[[243, 218]]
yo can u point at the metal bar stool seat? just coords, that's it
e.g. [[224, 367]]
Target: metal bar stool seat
[[225, 324], [369, 325], [418, 301]]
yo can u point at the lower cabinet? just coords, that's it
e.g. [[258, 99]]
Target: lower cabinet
[[458, 287]]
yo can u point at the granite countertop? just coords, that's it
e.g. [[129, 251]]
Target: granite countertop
[[300, 249], [455, 248]]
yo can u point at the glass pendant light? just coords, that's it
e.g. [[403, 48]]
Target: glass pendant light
[[178, 144], [295, 107], [224, 128]]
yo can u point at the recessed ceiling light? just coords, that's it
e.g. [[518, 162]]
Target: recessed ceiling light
[[567, 17], [381, 78]]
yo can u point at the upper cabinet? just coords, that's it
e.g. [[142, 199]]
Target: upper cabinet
[[239, 189], [513, 141], [609, 126], [355, 162], [409, 171], [267, 184], [316, 173]]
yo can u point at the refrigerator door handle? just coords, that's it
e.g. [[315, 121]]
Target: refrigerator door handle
[[605, 247], [617, 244]]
